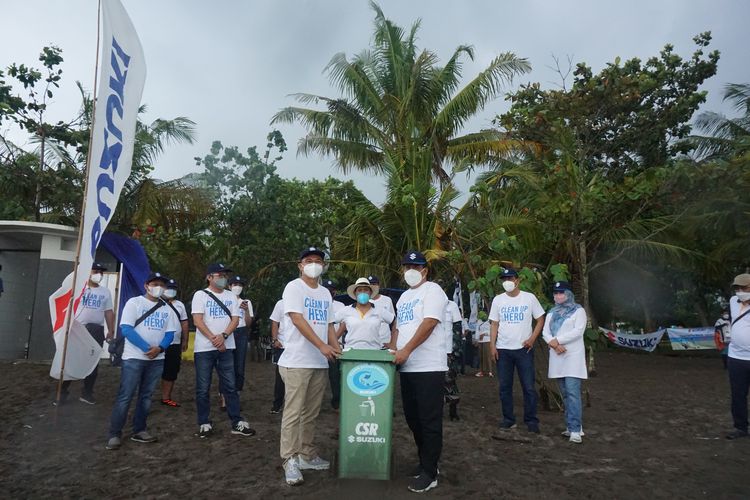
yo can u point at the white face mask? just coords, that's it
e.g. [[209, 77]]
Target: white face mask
[[237, 290], [743, 296], [509, 285], [412, 277], [155, 291], [313, 270], [96, 278], [170, 293]]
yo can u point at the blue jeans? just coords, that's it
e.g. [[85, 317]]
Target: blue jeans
[[205, 362], [141, 375], [240, 353], [570, 389], [522, 361]]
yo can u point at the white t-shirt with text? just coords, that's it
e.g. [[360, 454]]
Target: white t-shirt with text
[[513, 315], [315, 306], [151, 329], [215, 318], [94, 302], [385, 302], [426, 301]]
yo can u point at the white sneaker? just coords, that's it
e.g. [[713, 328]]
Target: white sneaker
[[575, 437], [566, 433], [315, 463], [291, 472], [205, 430]]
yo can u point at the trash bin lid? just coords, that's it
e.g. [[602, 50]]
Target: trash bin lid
[[381, 355]]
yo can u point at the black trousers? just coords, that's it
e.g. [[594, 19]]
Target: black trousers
[[739, 383], [422, 399], [334, 377], [278, 384], [96, 331]]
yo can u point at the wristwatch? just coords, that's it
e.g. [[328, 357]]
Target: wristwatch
[[225, 335]]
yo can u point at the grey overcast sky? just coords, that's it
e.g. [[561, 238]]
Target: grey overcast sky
[[229, 65]]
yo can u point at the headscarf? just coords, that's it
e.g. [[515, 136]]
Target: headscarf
[[561, 312]]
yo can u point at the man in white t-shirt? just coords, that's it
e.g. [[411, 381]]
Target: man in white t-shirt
[[334, 369], [310, 344], [95, 311], [420, 354], [512, 336], [216, 313], [383, 302], [278, 323], [148, 325], [738, 357], [173, 355]]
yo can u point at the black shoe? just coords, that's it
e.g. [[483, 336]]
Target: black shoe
[[243, 429], [506, 426], [736, 434], [422, 483], [534, 429], [89, 400], [275, 411], [415, 472]]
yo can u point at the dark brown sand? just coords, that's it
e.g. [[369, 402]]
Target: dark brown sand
[[654, 430]]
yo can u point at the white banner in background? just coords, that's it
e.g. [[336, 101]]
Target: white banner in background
[[643, 341], [122, 75]]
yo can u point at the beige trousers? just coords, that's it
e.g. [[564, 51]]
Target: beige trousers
[[302, 400]]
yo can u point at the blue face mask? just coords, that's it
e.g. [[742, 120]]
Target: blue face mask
[[363, 298]]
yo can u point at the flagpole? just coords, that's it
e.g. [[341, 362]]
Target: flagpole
[[70, 311]]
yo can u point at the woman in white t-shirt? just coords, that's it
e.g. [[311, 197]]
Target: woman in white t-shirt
[[363, 319], [563, 332]]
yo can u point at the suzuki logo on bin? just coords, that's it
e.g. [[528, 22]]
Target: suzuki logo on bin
[[368, 380]]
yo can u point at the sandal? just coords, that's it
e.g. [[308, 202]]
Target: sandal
[[170, 402]]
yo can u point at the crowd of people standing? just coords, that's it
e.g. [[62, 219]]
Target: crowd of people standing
[[425, 332]]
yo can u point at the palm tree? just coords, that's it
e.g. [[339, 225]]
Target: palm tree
[[401, 116], [726, 137]]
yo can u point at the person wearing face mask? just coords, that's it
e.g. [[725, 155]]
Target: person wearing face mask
[[148, 326], [420, 355], [722, 336], [216, 314], [511, 334], [364, 319], [310, 344], [563, 331], [173, 354], [237, 285], [95, 311], [738, 357]]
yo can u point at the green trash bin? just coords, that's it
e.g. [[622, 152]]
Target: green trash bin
[[366, 412]]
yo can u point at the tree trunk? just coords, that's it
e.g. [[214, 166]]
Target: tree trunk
[[38, 195]]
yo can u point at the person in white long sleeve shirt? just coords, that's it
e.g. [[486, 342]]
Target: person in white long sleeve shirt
[[563, 332], [363, 320]]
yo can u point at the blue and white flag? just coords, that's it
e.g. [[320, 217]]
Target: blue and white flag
[[122, 75], [642, 341]]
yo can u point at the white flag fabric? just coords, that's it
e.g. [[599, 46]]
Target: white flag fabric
[[83, 353], [643, 341], [474, 304], [122, 74]]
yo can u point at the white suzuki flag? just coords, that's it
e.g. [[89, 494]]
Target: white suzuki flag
[[122, 75]]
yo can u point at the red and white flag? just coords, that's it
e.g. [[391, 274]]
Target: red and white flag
[[122, 75]]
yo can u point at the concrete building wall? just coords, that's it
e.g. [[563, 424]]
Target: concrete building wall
[[19, 274]]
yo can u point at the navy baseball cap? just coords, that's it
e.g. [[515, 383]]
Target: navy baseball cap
[[373, 279], [414, 257], [509, 273], [171, 283], [561, 286], [217, 268], [329, 284], [237, 279], [156, 277], [98, 266], [312, 251]]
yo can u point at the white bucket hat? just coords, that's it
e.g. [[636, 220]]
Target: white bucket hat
[[374, 289]]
